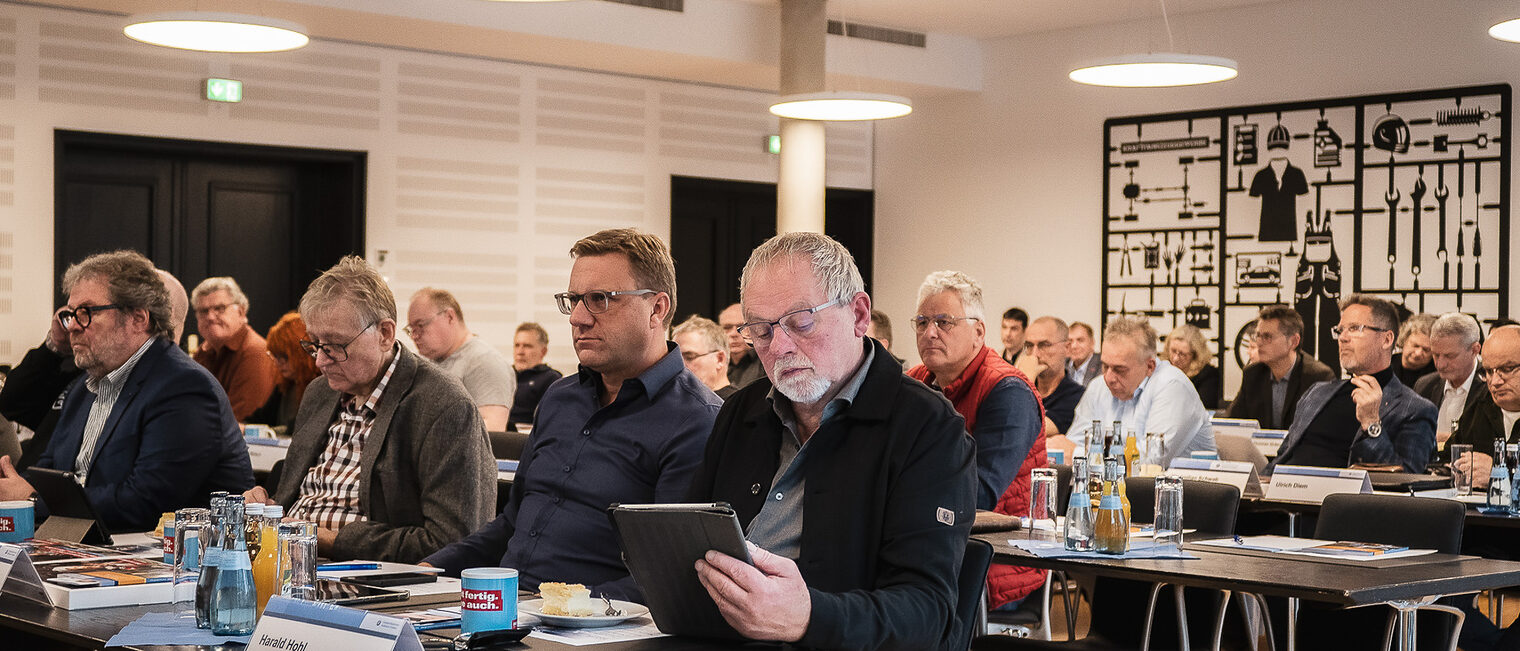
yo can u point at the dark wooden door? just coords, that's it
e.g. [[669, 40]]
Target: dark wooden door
[[270, 217], [715, 223]]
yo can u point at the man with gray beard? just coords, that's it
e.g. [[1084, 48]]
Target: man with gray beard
[[856, 484]]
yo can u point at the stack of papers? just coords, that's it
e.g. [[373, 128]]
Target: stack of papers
[[1137, 549], [1358, 551]]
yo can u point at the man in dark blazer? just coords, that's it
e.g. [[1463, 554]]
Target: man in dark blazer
[[389, 454], [1457, 383], [148, 430], [1084, 364], [1270, 387], [1370, 418], [1492, 417]]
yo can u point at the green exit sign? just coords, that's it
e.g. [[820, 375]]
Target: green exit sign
[[773, 144], [224, 90]]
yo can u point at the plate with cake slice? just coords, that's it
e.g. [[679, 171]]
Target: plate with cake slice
[[572, 606]]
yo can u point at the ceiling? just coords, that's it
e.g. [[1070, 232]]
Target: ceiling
[[984, 19]]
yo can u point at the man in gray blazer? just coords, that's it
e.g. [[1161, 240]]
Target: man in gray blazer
[[1457, 383], [389, 454]]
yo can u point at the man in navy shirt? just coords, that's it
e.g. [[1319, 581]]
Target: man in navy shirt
[[629, 427]]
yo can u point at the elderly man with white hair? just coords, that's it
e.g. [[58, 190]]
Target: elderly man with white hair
[[1143, 393], [1457, 383], [236, 355]]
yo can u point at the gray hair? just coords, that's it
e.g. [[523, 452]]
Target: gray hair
[[132, 283], [954, 281], [831, 263], [706, 329], [1138, 331], [221, 284], [1062, 330], [1457, 324], [355, 281], [1419, 323]]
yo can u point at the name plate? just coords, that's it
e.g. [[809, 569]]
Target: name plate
[[19, 577], [295, 625], [1240, 474], [1312, 484]]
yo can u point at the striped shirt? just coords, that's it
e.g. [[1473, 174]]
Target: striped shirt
[[330, 491], [107, 389]]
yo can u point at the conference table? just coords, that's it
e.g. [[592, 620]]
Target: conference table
[[1407, 581]]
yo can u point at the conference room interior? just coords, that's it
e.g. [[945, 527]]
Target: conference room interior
[[467, 144]]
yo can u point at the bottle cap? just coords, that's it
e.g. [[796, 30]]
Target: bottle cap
[[274, 511], [254, 509]]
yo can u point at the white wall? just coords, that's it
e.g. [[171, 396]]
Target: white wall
[[1006, 184], [481, 173]]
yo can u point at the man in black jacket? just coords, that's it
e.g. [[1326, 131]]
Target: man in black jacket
[[1457, 383], [855, 483], [1270, 388]]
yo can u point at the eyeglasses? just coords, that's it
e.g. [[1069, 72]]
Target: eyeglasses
[[596, 302], [418, 326], [1355, 328], [212, 309], [1046, 345], [694, 356], [335, 352], [1506, 372], [798, 323], [83, 314], [944, 322]]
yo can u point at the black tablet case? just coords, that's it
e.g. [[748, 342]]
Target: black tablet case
[[70, 515], [661, 544]]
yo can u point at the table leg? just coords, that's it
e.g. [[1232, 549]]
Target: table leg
[[1292, 643], [1409, 610]]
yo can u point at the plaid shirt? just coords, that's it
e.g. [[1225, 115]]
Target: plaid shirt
[[330, 491]]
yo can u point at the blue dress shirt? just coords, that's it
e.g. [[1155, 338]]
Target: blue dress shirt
[[582, 457]]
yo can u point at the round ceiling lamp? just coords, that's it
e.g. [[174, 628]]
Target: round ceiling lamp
[[1156, 70], [216, 32], [841, 106], [1508, 30]]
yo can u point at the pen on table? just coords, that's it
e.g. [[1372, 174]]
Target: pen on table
[[345, 567], [428, 626], [1239, 540]]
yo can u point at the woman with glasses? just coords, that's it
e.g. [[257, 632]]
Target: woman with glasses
[[1187, 350], [296, 371]]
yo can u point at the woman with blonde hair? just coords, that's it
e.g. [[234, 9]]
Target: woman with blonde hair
[[1187, 350], [296, 371]]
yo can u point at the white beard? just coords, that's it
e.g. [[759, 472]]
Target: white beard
[[805, 388]]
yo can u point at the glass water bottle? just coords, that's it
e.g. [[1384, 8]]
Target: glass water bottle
[[233, 596]]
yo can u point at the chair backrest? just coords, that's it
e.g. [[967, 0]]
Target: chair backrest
[[1206, 506], [971, 584], [1414, 522]]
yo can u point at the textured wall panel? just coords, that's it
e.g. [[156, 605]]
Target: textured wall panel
[[594, 116], [469, 101]]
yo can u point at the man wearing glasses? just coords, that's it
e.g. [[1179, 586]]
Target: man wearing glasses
[[149, 430], [1371, 418], [856, 484], [1049, 339], [997, 400], [1271, 386], [236, 355], [628, 427], [704, 348], [1493, 416], [388, 454], [435, 322]]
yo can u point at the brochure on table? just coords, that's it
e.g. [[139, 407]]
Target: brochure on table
[[1313, 547], [77, 576], [1240, 474], [291, 624], [1312, 484]]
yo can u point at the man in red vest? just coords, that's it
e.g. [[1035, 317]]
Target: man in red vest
[[997, 401]]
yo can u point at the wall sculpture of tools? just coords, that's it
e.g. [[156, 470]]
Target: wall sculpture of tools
[[1211, 215]]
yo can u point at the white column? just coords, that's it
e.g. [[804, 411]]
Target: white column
[[800, 187]]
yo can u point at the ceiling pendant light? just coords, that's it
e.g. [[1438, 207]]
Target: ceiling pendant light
[[216, 32], [1157, 69], [1508, 30], [841, 106]]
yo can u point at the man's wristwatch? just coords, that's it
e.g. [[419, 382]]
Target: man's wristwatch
[[1375, 430]]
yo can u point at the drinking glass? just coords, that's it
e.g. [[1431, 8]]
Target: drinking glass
[[1042, 500], [1462, 480], [297, 564], [188, 525], [1168, 532], [1512, 464]]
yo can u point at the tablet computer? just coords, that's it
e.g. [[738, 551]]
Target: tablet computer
[[661, 544], [348, 594], [70, 515]]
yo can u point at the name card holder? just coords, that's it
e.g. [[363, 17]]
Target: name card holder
[[19, 577], [295, 625], [1240, 474], [1312, 484], [1268, 441]]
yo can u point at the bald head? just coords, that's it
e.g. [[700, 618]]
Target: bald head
[[179, 303], [1501, 355]]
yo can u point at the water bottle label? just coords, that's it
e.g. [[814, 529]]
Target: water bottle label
[[1111, 502]]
